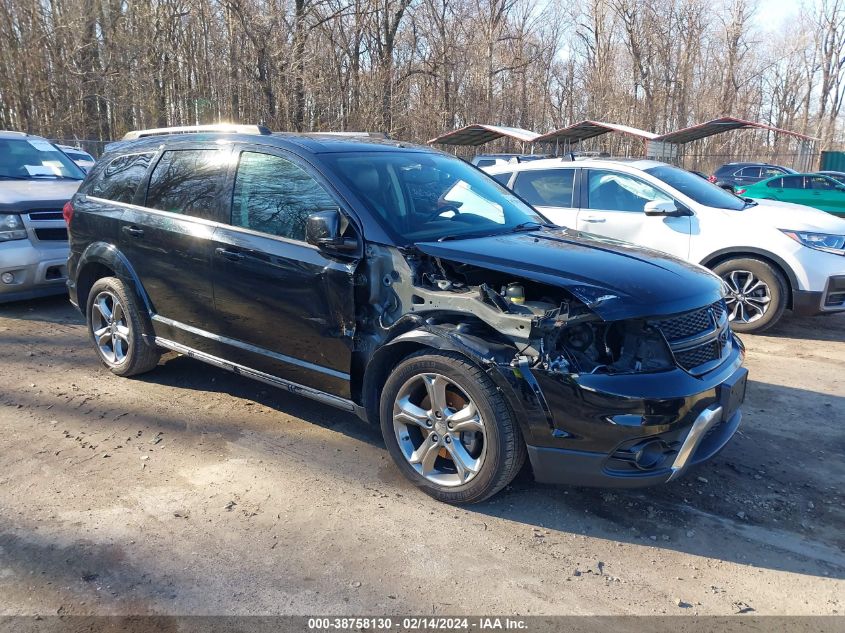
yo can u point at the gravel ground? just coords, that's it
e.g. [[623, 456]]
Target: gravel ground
[[192, 491]]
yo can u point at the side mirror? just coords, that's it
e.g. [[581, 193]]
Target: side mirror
[[665, 209], [324, 229]]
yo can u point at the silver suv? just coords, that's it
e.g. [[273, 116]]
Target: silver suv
[[36, 180]]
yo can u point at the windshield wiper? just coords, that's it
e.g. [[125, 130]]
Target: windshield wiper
[[5, 177], [523, 226], [533, 226], [748, 203]]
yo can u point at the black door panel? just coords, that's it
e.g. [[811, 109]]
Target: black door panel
[[286, 309]]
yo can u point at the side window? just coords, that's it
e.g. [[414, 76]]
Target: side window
[[777, 183], [793, 182], [502, 178], [610, 191], [546, 187], [819, 182], [121, 177], [273, 195], [485, 162], [189, 182], [749, 172], [768, 172]]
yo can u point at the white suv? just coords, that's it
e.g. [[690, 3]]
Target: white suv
[[772, 255]]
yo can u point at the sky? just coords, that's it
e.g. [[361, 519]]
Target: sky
[[771, 14]]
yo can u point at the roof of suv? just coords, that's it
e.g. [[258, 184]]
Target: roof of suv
[[315, 143], [636, 163], [12, 134]]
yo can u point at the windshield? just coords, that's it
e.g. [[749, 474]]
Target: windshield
[[29, 159], [422, 197], [696, 188]]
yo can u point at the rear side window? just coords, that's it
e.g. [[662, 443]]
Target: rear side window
[[777, 183], [819, 182], [274, 195], [749, 172], [546, 187], [502, 178], [121, 177], [793, 182], [188, 182]]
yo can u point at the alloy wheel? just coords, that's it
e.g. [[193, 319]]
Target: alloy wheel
[[439, 429], [748, 297], [110, 327]]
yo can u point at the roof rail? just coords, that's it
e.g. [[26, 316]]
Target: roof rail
[[226, 128]]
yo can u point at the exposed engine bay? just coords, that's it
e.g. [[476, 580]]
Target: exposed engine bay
[[548, 326]]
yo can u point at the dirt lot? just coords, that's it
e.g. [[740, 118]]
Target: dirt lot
[[190, 490]]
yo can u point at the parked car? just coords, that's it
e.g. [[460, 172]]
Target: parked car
[[487, 160], [36, 180], [83, 159], [404, 285], [733, 175], [838, 176], [813, 190], [772, 255]]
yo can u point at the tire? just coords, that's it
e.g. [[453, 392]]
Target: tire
[[736, 273], [117, 333], [484, 435]]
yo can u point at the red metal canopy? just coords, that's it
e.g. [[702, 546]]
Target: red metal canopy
[[588, 129], [478, 134], [717, 126]]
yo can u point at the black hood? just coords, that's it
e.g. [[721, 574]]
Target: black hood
[[36, 193], [614, 279]]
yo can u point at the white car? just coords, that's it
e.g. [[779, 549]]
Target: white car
[[772, 255]]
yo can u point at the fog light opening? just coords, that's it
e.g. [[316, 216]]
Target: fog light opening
[[7, 278], [650, 455]]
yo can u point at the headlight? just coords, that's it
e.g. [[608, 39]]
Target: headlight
[[11, 228], [820, 241]]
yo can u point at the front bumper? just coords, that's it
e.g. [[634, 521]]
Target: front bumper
[[829, 300], [37, 271], [626, 430]]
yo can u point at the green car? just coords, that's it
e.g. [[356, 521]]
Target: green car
[[813, 190]]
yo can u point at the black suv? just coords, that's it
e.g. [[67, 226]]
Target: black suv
[[409, 287], [732, 175]]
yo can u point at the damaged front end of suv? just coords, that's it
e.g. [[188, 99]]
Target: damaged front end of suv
[[618, 363]]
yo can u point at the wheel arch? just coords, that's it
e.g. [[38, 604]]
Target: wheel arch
[[714, 259], [493, 357], [101, 259]]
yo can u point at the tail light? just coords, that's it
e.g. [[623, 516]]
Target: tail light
[[67, 212], [711, 179], [739, 192]]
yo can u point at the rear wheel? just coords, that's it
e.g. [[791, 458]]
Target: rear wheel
[[757, 293], [448, 428], [115, 325]]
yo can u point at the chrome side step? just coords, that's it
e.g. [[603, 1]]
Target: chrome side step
[[301, 390]]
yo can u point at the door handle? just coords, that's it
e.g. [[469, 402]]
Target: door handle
[[134, 231], [594, 219], [232, 256]]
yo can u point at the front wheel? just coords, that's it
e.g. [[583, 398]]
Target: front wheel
[[757, 293], [448, 428]]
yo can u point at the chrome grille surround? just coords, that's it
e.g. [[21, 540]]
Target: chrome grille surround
[[700, 340]]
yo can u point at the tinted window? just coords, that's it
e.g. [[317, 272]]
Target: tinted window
[[749, 172], [188, 181], [121, 177], [275, 196], [768, 172], [696, 188], [485, 162], [546, 187], [820, 182], [776, 183], [503, 178], [611, 191], [421, 196], [793, 182]]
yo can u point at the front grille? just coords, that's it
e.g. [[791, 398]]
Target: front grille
[[699, 339], [697, 356], [42, 216], [686, 325], [51, 235]]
